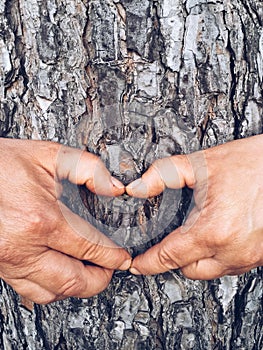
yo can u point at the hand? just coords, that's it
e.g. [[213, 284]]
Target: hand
[[43, 243], [223, 234]]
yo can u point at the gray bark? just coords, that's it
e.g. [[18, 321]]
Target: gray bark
[[134, 81]]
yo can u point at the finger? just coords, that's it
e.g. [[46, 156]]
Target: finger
[[211, 268], [171, 172], [204, 269], [32, 291], [178, 249], [78, 238], [84, 168], [67, 277]]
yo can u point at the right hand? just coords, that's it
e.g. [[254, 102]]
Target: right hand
[[43, 243], [223, 234]]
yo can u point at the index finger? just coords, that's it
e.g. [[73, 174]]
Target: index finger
[[61, 277], [84, 168], [177, 250], [67, 277], [78, 238]]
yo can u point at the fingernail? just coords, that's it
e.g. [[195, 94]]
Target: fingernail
[[134, 271], [137, 188], [126, 265], [135, 184], [117, 183]]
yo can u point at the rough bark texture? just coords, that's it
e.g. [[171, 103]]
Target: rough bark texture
[[133, 81]]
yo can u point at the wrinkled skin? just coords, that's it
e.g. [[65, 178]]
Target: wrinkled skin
[[42, 243], [223, 234]]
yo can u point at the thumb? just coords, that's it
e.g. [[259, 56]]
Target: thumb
[[84, 168], [171, 172]]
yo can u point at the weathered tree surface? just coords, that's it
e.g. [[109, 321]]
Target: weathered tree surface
[[133, 81]]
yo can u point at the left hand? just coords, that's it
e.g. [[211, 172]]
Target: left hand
[[42, 242]]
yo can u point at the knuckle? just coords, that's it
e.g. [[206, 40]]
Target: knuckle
[[167, 259], [88, 250], [252, 258], [103, 284], [73, 286], [9, 254], [96, 251], [38, 222], [158, 163], [190, 271], [189, 274], [44, 299], [35, 221], [6, 251], [222, 236]]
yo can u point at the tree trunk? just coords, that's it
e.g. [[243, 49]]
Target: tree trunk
[[133, 81]]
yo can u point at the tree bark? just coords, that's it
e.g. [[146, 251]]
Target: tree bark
[[133, 81]]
